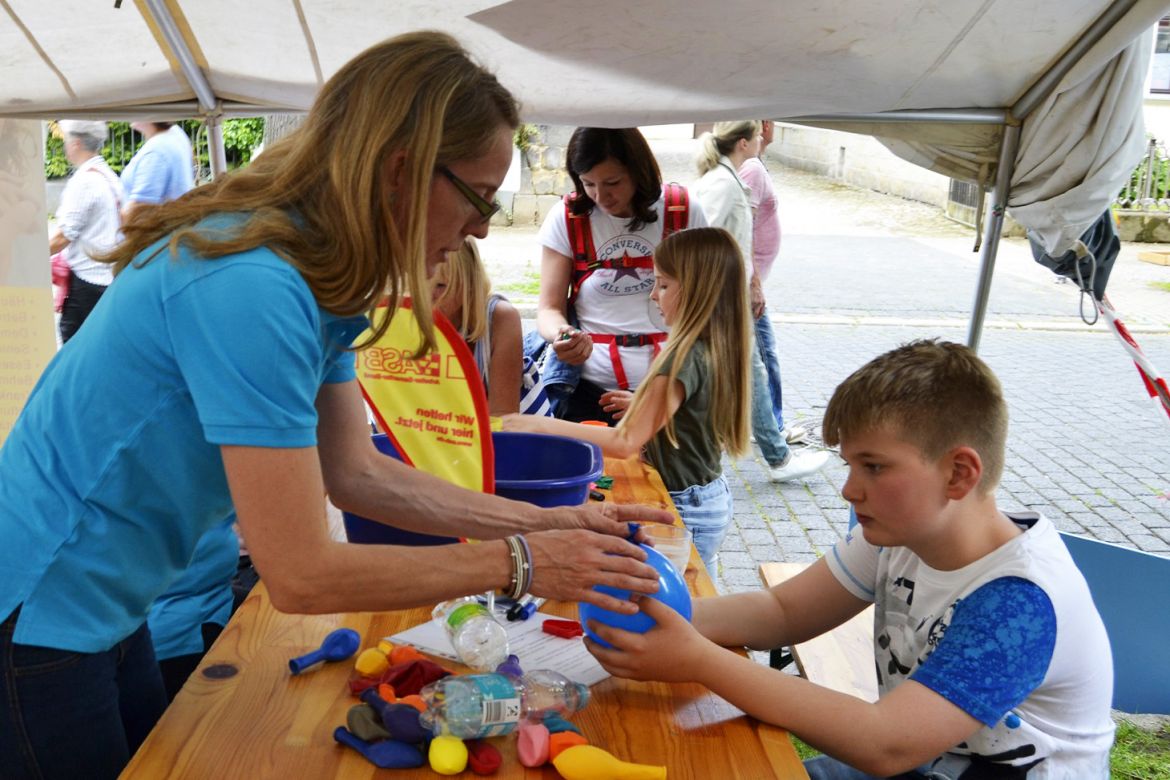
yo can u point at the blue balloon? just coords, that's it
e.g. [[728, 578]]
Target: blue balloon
[[672, 591]]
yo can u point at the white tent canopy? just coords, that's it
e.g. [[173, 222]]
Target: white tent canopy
[[1070, 71]]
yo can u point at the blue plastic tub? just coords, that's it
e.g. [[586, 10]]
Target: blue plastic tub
[[543, 470], [362, 530]]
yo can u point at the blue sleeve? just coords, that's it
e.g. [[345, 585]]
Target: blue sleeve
[[149, 179], [995, 651], [246, 338], [342, 367]]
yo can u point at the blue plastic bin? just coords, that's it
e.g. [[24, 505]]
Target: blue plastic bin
[[543, 470]]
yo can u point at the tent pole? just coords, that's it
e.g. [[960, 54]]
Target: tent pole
[[183, 55], [993, 229], [215, 151], [950, 116]]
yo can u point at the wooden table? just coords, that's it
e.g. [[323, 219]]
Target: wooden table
[[242, 715]]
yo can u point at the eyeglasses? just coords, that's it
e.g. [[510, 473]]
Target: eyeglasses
[[486, 208]]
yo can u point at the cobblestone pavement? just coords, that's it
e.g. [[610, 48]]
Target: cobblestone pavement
[[860, 273]]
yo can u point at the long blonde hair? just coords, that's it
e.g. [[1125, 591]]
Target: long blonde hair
[[722, 139], [467, 287], [320, 198], [712, 306]]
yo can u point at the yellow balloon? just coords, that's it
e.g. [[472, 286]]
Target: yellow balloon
[[447, 755], [586, 762]]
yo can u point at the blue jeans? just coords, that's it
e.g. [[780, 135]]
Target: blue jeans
[[764, 426], [72, 715], [766, 342], [826, 768], [706, 512]]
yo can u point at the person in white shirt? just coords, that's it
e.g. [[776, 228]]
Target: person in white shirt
[[88, 221], [597, 271], [726, 203]]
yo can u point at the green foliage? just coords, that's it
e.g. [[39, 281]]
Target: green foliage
[[803, 750], [240, 139], [1139, 754], [529, 285], [525, 134], [1164, 286], [1155, 166], [56, 165]]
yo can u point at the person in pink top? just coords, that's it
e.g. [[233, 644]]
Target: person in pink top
[[765, 248]]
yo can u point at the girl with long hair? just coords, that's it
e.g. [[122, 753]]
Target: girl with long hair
[[488, 323], [694, 404]]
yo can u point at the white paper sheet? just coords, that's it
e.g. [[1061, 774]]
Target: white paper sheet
[[536, 649]]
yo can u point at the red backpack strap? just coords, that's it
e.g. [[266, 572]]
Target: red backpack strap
[[676, 208], [580, 233]]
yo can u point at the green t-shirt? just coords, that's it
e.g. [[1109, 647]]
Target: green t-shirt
[[696, 461]]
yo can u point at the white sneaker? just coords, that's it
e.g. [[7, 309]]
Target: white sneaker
[[799, 465], [794, 434]]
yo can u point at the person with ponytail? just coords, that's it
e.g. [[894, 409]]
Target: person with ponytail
[[726, 202]]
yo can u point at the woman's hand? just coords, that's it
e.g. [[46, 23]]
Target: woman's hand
[[613, 519], [616, 402], [567, 564], [672, 651], [572, 346]]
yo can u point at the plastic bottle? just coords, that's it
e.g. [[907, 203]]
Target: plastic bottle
[[473, 706], [478, 638]]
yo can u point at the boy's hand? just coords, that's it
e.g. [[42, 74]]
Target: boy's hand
[[616, 402], [672, 651]]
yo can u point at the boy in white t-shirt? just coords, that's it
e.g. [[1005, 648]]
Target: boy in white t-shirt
[[992, 659]]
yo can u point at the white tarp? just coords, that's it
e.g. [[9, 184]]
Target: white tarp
[[615, 62]]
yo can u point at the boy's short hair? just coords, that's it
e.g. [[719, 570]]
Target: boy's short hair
[[934, 394]]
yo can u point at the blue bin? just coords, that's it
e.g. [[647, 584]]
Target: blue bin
[[361, 530], [543, 470]]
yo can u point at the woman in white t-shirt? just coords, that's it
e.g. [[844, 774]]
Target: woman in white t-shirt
[[597, 272]]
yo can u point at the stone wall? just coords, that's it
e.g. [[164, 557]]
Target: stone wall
[[543, 179]]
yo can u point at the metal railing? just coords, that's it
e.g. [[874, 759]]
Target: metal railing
[[1148, 188]]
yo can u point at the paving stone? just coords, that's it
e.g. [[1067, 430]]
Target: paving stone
[[1150, 543], [757, 536]]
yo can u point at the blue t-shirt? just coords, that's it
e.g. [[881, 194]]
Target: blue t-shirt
[[113, 472], [162, 170], [201, 594]]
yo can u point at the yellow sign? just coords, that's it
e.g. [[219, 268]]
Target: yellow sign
[[27, 343], [433, 408]]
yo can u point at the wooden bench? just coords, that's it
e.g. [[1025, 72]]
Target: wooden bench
[[841, 659]]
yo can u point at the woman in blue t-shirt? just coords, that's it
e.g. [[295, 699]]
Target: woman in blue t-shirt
[[215, 375]]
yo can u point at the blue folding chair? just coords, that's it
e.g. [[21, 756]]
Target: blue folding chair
[[1131, 590]]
